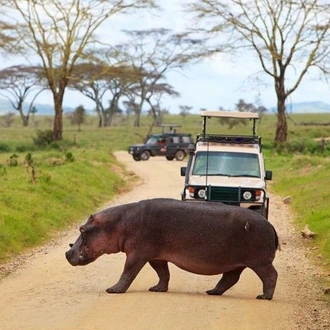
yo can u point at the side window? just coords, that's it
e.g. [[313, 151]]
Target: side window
[[185, 139], [175, 139]]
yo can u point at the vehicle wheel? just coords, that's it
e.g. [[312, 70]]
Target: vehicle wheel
[[180, 155], [137, 158], [145, 155], [169, 157]]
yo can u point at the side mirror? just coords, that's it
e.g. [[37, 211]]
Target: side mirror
[[269, 175], [183, 171]]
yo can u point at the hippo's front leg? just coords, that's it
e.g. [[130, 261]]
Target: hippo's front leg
[[161, 268], [131, 269]]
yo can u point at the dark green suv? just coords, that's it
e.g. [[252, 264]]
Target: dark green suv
[[170, 145]]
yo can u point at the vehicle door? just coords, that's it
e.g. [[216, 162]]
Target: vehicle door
[[172, 143], [160, 148]]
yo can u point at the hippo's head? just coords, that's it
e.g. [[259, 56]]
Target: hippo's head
[[93, 241]]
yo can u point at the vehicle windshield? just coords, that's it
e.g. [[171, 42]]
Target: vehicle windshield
[[154, 139], [226, 164]]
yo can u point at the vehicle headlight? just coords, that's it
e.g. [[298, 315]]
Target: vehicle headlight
[[201, 193], [247, 195]]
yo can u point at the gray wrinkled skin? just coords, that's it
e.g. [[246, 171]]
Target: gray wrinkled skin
[[199, 237]]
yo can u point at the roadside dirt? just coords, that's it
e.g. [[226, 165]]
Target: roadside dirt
[[40, 290]]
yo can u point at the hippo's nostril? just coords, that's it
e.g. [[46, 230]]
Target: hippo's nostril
[[71, 245]]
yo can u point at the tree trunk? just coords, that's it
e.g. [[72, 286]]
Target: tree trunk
[[136, 119], [137, 113], [99, 115], [282, 126], [58, 119], [25, 121]]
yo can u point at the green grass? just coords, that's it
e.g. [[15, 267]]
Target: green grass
[[63, 193], [68, 191], [306, 178]]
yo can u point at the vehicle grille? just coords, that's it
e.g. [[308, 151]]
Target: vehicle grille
[[225, 194]]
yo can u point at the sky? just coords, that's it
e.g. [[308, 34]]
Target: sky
[[216, 82]]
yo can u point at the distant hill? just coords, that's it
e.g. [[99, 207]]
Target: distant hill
[[308, 107], [42, 109], [48, 109]]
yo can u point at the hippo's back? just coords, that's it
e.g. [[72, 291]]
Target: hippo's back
[[215, 227]]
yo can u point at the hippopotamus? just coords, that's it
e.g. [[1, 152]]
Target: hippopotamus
[[205, 238]]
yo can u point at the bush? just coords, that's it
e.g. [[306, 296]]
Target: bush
[[44, 138], [4, 147], [13, 160], [305, 147], [69, 157], [25, 147]]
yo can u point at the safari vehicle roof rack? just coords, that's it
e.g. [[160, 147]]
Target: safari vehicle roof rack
[[169, 126], [230, 114], [229, 139]]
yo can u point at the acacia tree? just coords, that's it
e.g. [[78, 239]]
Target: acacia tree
[[288, 37], [16, 83], [156, 92], [104, 84], [90, 80], [151, 54], [57, 32]]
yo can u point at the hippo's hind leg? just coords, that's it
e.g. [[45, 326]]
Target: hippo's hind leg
[[161, 268], [227, 280], [268, 276]]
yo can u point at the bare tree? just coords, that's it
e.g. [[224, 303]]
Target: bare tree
[[58, 32], [16, 83], [288, 37]]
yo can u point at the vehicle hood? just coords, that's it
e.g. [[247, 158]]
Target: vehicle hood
[[137, 145], [225, 181]]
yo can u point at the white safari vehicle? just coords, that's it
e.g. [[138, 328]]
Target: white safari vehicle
[[227, 168]]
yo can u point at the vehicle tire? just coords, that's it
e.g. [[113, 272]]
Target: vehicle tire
[[137, 158], [180, 155], [145, 155], [169, 157]]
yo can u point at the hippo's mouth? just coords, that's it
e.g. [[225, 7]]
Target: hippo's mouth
[[79, 258]]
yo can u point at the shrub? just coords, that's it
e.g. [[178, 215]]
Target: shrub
[[43, 138], [25, 147], [13, 160], [304, 146], [4, 147], [69, 157]]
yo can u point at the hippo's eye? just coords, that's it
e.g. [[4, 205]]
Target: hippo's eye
[[82, 229]]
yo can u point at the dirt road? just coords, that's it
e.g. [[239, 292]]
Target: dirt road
[[45, 292]]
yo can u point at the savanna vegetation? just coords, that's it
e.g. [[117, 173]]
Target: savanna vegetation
[[63, 40], [47, 186]]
